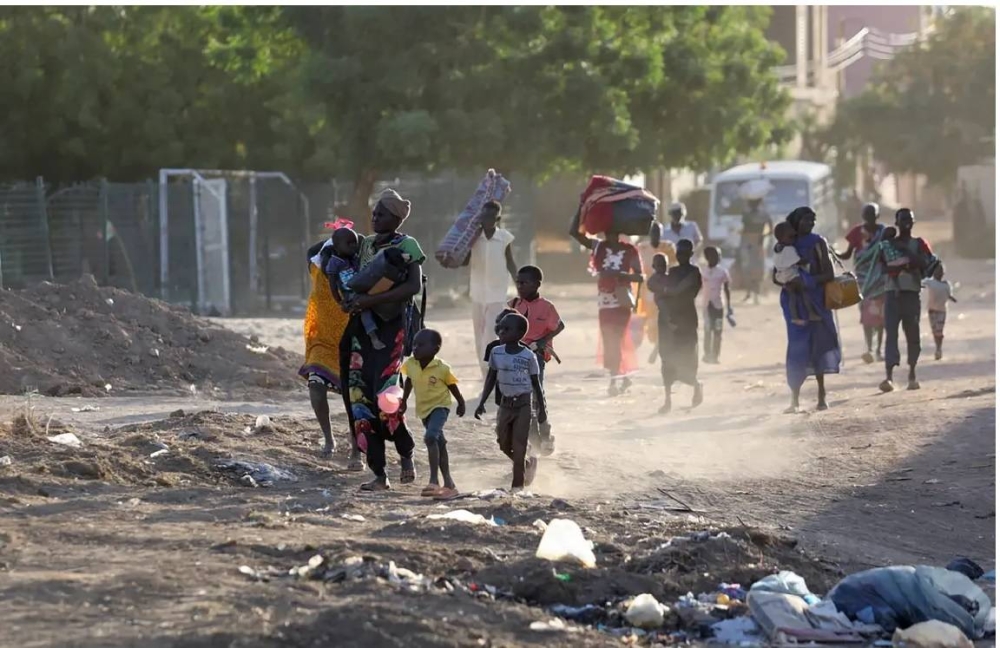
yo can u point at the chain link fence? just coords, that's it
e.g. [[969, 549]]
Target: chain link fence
[[119, 233]]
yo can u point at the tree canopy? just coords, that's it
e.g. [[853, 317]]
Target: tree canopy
[[359, 92], [931, 109]]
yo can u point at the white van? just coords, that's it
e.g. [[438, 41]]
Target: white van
[[793, 184]]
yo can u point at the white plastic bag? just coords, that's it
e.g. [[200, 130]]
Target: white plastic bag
[[931, 634], [563, 541], [645, 612], [461, 515]]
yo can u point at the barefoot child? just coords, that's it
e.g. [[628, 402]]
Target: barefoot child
[[434, 384], [515, 368], [716, 280], [675, 295], [544, 324], [938, 296]]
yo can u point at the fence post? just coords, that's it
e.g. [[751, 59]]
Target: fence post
[[43, 217], [103, 211]]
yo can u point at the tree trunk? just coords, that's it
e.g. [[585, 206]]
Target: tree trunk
[[358, 208]]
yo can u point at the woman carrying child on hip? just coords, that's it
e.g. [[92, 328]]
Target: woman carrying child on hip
[[515, 368]]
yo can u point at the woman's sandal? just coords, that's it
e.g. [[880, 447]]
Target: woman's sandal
[[430, 490], [375, 486]]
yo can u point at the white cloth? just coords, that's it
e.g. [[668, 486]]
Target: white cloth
[[488, 276], [786, 264], [689, 231], [713, 279], [938, 293], [484, 317], [317, 258]]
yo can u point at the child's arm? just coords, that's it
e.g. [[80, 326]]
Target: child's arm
[[459, 399], [407, 388], [729, 298], [536, 384], [491, 383]]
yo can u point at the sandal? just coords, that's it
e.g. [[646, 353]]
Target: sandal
[[446, 493], [430, 490], [375, 486], [355, 463]]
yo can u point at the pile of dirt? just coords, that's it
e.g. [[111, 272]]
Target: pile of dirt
[[78, 338], [183, 450]]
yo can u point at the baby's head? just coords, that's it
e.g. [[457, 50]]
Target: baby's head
[[345, 243], [889, 233], [784, 233]]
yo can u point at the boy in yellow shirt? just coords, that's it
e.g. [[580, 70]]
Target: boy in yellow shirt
[[432, 380]]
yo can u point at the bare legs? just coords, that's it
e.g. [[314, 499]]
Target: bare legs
[[321, 408], [821, 404]]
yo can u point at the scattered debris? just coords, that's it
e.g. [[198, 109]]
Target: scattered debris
[[563, 541], [646, 612], [930, 634], [159, 453], [67, 439], [6, 460], [461, 515], [552, 625], [353, 517], [262, 474], [263, 421], [87, 408]]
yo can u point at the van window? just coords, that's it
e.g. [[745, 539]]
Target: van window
[[782, 199]]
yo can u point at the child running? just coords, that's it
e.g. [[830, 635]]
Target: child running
[[787, 265], [716, 280], [341, 268], [515, 368], [434, 384], [938, 296], [544, 324], [678, 326]]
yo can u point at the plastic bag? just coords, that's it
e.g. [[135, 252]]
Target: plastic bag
[[563, 541], [786, 582], [645, 612], [461, 515], [930, 634]]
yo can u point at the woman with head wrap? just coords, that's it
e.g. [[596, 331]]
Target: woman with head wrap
[[372, 372], [813, 344]]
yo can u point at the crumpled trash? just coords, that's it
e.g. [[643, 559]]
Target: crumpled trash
[[263, 421], [552, 625], [563, 541], [461, 515], [786, 582], [6, 460], [964, 565], [353, 517], [902, 596], [87, 408], [589, 613], [646, 612], [67, 439], [741, 631], [264, 474], [930, 634]]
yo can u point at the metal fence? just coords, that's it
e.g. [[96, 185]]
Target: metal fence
[[119, 232]]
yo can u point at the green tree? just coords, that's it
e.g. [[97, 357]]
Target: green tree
[[534, 89], [932, 108]]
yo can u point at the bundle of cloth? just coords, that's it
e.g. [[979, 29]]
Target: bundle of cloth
[[458, 242], [608, 204]]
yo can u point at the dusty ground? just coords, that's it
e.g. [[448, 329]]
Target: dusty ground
[[106, 546]]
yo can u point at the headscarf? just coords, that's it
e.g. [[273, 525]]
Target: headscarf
[[394, 204], [797, 215]]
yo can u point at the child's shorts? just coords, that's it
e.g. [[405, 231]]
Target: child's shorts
[[434, 425], [937, 320]]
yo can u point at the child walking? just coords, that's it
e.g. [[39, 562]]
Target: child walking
[[938, 296], [716, 279], [515, 368], [787, 265], [434, 384], [544, 324]]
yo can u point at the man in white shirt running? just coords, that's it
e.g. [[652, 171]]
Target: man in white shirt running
[[491, 264], [681, 228]]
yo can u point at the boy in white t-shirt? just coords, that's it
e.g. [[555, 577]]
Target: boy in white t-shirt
[[938, 296], [715, 279]]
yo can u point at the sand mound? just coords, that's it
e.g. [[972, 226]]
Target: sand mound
[[77, 338]]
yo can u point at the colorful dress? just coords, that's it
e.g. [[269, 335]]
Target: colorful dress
[[371, 371], [615, 305], [323, 327]]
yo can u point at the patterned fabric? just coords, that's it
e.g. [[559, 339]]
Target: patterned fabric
[[323, 328], [937, 319]]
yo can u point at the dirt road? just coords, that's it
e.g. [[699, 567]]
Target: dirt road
[[105, 546]]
